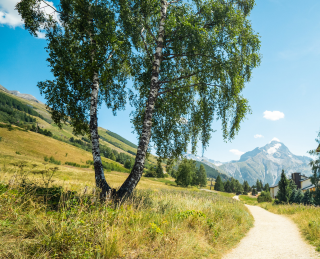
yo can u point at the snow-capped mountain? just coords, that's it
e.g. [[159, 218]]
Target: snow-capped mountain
[[266, 164], [205, 160]]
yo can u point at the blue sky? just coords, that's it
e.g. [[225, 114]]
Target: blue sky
[[283, 94]]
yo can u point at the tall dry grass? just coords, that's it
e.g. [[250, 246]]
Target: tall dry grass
[[39, 220], [306, 217]]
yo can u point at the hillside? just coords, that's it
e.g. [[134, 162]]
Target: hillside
[[23, 111], [212, 172]]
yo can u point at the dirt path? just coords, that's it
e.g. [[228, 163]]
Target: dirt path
[[273, 236]]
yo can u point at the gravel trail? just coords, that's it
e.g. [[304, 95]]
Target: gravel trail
[[273, 236]]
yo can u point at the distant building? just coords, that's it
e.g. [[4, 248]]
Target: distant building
[[303, 182]]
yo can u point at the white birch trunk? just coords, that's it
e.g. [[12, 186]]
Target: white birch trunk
[[137, 170]]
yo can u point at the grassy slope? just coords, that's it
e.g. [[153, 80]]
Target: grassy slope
[[66, 132], [33, 147]]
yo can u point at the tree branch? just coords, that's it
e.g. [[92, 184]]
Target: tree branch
[[177, 88], [175, 79], [145, 43], [51, 6]]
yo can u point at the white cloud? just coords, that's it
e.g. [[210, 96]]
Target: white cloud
[[273, 149], [275, 139], [236, 152], [9, 16], [274, 116], [258, 136]]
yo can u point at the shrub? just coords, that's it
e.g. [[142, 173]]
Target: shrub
[[264, 197], [150, 173], [89, 162], [0, 139], [52, 160], [18, 153], [72, 164]]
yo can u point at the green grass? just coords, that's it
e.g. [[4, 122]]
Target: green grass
[[150, 224], [248, 199]]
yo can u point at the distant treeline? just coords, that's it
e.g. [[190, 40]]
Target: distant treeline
[[116, 144], [14, 111], [118, 137]]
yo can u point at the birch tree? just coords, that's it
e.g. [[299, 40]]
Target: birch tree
[[88, 56], [193, 61]]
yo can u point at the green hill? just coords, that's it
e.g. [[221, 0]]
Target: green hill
[[212, 172], [33, 116]]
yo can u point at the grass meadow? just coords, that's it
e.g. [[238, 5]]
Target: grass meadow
[[43, 220]]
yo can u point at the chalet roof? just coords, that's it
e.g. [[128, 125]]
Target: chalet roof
[[273, 186]]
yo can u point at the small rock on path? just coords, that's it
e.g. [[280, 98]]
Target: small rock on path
[[273, 236]]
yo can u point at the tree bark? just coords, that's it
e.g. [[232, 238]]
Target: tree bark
[[137, 170], [98, 168]]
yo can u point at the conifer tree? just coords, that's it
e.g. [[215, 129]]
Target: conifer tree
[[159, 171], [259, 185], [299, 197], [227, 187], [246, 187], [201, 176], [293, 196], [238, 188], [254, 191], [267, 187], [284, 189], [218, 186], [308, 198]]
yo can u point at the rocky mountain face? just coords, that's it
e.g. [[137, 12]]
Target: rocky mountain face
[[205, 160], [24, 96], [266, 164]]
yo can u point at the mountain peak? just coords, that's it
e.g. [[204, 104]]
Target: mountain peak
[[28, 97]]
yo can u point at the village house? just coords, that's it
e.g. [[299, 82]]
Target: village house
[[303, 182]]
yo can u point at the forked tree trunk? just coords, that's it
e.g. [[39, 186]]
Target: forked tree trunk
[[136, 173]]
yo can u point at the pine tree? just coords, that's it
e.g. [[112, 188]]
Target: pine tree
[[259, 185], [238, 188], [254, 191], [227, 187], [267, 187], [284, 189], [202, 176], [246, 187], [232, 185], [159, 171], [218, 186], [293, 196], [307, 198], [299, 197]]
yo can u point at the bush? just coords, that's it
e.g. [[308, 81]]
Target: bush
[[52, 160], [150, 173], [264, 197]]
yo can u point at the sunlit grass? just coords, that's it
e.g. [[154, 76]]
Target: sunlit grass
[[155, 223]]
